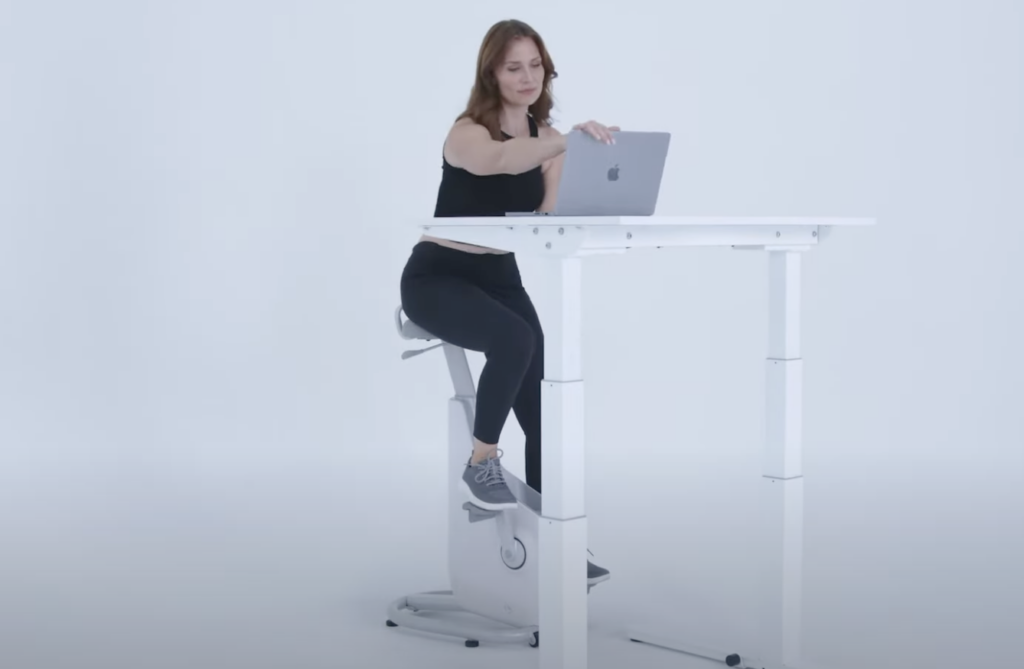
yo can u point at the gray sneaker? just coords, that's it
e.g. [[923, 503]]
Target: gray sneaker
[[596, 574], [485, 486]]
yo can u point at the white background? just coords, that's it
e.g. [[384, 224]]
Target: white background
[[212, 456]]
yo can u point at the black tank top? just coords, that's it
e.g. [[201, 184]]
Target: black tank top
[[462, 193]]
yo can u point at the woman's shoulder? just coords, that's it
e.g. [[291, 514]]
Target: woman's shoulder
[[466, 129]]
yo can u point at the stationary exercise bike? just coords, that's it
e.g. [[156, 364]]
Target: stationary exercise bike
[[492, 555]]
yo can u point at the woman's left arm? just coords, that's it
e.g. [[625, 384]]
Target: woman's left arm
[[552, 170]]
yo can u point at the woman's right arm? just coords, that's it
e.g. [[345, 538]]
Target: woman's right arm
[[471, 147]]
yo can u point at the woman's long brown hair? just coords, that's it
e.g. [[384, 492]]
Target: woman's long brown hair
[[485, 102]]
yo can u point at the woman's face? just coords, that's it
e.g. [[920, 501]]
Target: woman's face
[[521, 75]]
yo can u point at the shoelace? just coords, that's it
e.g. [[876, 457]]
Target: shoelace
[[491, 473]]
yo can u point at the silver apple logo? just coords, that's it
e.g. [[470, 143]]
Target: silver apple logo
[[613, 173]]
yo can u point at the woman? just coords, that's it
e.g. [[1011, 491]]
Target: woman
[[501, 155]]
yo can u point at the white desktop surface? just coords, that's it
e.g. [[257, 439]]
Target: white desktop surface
[[585, 235]]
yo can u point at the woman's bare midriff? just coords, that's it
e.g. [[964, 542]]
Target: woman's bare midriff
[[468, 248]]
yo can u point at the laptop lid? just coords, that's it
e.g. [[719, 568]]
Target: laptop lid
[[620, 179]]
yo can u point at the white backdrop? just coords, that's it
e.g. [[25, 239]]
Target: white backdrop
[[212, 456]]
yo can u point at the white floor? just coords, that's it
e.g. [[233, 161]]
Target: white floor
[[252, 577], [294, 570]]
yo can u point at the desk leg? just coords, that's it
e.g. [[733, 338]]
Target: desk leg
[[780, 544], [783, 484], [562, 533]]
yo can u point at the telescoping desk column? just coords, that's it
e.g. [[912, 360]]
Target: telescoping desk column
[[564, 241]]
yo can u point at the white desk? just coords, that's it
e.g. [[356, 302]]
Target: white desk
[[563, 526]]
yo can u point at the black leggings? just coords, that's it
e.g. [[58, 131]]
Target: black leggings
[[477, 302]]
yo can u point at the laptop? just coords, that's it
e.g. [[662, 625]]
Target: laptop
[[620, 179]]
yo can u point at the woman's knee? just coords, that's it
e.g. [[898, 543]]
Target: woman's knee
[[516, 339]]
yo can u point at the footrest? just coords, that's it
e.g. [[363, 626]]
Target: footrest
[[476, 514]]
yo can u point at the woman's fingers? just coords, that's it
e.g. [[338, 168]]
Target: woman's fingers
[[601, 133], [598, 131]]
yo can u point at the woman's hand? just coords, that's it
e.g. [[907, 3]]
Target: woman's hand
[[598, 131]]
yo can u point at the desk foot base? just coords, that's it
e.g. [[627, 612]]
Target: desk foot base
[[426, 612], [728, 658]]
